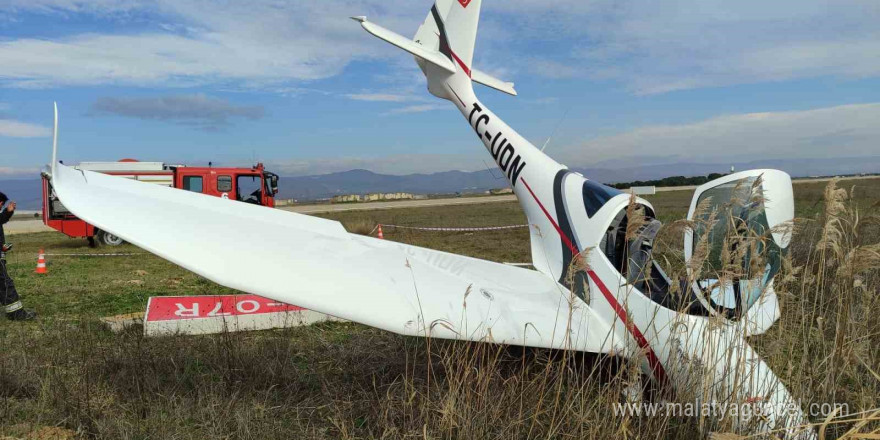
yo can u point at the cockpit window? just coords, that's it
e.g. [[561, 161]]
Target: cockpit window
[[271, 183], [732, 232], [633, 256], [249, 188], [731, 237], [595, 195]]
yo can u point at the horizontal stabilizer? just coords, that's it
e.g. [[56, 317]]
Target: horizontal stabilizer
[[408, 45], [490, 81]]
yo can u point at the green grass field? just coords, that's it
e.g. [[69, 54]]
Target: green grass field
[[339, 380]]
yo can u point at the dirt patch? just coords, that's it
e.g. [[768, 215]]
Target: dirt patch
[[51, 433]]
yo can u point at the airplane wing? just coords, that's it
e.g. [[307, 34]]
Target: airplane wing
[[314, 263]]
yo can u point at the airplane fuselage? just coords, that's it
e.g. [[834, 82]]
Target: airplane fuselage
[[569, 215]]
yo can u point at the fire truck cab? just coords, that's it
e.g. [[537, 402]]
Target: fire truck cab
[[250, 185]]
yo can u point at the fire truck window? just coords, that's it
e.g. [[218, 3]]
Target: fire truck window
[[249, 189], [224, 183], [193, 183]]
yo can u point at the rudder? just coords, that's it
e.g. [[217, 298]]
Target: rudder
[[451, 29], [461, 26], [444, 45]]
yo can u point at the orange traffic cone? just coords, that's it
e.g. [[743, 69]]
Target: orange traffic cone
[[41, 263], [380, 234]]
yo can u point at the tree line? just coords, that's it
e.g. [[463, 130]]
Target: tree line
[[670, 181]]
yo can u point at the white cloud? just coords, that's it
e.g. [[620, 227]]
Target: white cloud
[[253, 44], [545, 100], [381, 97], [197, 109], [153, 59], [655, 48], [421, 108], [102, 7], [842, 131], [10, 128], [650, 47], [552, 69], [832, 132], [18, 173]]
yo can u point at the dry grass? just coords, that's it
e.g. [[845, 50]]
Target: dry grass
[[826, 345], [348, 381], [361, 226]]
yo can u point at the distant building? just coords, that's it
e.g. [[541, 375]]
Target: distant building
[[398, 196], [348, 198], [388, 196]]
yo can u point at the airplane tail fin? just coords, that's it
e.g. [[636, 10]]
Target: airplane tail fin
[[455, 25], [444, 44]]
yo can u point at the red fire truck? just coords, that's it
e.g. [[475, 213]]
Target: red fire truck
[[250, 185]]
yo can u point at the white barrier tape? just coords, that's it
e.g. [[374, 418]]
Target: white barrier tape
[[96, 255], [486, 228]]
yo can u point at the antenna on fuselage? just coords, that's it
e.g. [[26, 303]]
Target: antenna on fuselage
[[555, 129], [492, 173]]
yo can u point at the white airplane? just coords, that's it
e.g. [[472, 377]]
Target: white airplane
[[693, 342]]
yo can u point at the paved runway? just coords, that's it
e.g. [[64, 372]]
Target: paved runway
[[25, 227]]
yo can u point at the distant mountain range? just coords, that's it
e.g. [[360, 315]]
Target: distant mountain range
[[27, 192], [363, 181]]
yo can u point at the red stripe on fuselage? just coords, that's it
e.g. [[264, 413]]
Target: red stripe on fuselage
[[461, 63], [637, 334], [653, 361]]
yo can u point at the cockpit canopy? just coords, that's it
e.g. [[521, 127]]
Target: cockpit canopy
[[733, 240], [733, 249]]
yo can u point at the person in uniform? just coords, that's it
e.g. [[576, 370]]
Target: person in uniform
[[9, 301]]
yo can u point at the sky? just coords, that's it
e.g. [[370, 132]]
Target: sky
[[301, 87]]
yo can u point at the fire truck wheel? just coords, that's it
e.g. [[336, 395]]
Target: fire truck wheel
[[110, 239]]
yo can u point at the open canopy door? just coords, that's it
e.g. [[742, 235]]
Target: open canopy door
[[741, 228]]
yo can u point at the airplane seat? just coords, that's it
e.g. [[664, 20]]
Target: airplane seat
[[640, 250], [643, 272]]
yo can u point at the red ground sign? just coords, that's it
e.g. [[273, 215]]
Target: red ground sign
[[172, 308]]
